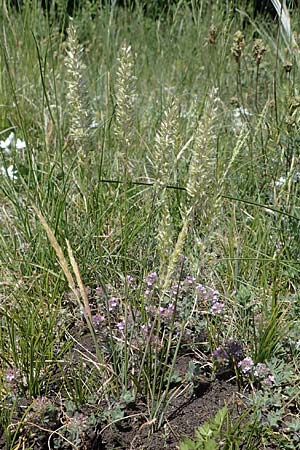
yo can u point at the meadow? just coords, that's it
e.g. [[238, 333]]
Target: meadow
[[149, 228]]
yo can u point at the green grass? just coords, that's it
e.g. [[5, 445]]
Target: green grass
[[148, 143]]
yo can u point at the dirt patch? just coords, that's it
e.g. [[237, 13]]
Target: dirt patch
[[186, 415], [193, 404]]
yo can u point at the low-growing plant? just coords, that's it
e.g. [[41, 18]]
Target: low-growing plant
[[221, 432]]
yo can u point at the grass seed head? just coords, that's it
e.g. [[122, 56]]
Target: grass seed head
[[79, 110], [125, 101], [238, 45], [258, 50]]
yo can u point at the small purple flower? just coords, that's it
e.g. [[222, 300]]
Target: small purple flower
[[11, 375], [228, 354], [189, 280], [145, 328], [97, 319], [151, 279], [121, 325], [112, 303], [169, 311], [269, 381], [261, 370], [234, 349], [200, 289], [246, 365], [220, 356], [211, 296], [147, 292], [130, 280], [175, 289], [217, 308], [171, 308]]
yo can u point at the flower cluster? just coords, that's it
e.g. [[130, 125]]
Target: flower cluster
[[7, 146], [260, 371], [283, 179], [156, 314], [231, 355], [9, 172], [228, 355], [246, 365], [212, 298], [11, 375], [150, 282], [163, 312], [12, 143]]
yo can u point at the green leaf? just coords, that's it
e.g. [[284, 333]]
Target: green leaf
[[211, 445], [188, 444]]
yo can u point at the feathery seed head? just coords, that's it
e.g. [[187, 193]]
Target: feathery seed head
[[79, 110], [165, 145], [125, 96], [201, 170]]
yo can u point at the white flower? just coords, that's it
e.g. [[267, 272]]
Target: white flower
[[94, 124], [9, 171], [5, 144], [280, 182], [239, 116], [241, 112], [20, 145]]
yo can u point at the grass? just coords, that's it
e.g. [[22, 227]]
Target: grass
[[149, 209]]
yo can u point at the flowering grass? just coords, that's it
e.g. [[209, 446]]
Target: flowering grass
[[149, 209]]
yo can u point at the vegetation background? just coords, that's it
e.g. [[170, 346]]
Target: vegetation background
[[149, 238]]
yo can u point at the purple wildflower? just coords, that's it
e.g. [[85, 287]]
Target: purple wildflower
[[261, 370], [112, 303], [97, 319], [151, 278], [11, 375], [217, 308], [269, 381], [220, 356], [246, 365], [169, 311], [200, 289], [130, 279], [189, 280], [121, 325], [175, 289], [228, 354]]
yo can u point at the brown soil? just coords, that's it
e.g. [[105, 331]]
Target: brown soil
[[191, 407], [188, 413]]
